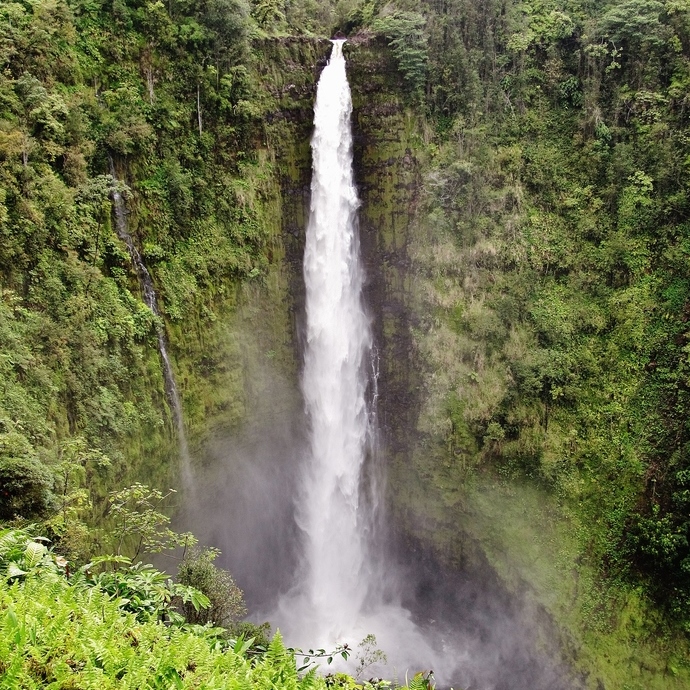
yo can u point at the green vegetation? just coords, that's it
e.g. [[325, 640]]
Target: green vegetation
[[545, 143], [95, 644], [226, 604], [166, 92], [405, 34], [83, 632], [552, 269], [564, 208]]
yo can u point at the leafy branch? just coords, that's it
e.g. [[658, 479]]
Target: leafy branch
[[309, 657], [135, 512]]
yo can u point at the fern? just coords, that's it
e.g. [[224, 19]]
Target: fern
[[8, 538], [421, 681], [93, 644], [103, 631], [310, 681]]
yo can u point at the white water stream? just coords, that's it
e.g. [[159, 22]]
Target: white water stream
[[338, 597], [151, 300], [336, 366]]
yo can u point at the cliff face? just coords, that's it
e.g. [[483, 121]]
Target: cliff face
[[259, 322], [449, 578], [387, 138]]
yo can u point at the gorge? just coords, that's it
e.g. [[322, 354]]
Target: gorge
[[521, 170], [347, 582]]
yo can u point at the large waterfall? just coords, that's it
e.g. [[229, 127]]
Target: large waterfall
[[336, 366], [338, 597]]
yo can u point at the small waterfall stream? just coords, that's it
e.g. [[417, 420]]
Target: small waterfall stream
[[150, 299]]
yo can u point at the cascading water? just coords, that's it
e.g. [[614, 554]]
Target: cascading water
[[336, 367], [334, 582], [338, 598], [149, 296]]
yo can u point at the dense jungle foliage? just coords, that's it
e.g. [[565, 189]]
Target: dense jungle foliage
[[552, 258], [561, 185]]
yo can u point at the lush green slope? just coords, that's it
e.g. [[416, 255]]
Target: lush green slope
[[552, 295], [78, 344], [178, 98], [111, 624]]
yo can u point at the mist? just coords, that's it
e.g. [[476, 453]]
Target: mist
[[290, 500], [461, 622], [458, 621], [245, 486]]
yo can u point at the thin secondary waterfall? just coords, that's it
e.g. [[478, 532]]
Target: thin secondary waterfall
[[336, 367], [149, 296]]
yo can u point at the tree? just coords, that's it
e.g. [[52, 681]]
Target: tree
[[406, 36], [636, 23], [136, 517]]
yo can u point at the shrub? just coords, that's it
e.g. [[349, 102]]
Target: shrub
[[227, 601], [25, 488]]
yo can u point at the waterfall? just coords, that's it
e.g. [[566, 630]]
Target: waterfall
[[336, 366], [148, 294], [338, 596]]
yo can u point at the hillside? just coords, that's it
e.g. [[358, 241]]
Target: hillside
[[523, 170]]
